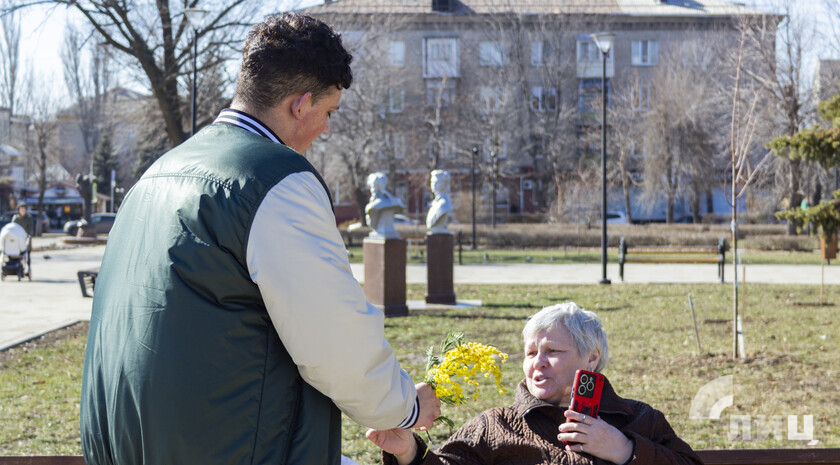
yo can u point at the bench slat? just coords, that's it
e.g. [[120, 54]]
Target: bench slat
[[635, 251], [770, 456], [672, 260]]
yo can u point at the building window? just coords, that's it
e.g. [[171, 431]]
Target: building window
[[639, 148], [492, 99], [449, 146], [397, 55], [588, 51], [491, 54], [692, 53], [440, 92], [541, 52], [395, 142], [402, 192], [440, 58], [645, 52], [446, 144], [539, 144], [589, 95], [543, 99], [498, 149], [641, 98], [396, 100]]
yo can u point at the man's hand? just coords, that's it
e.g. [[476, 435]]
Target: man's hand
[[429, 407], [398, 442]]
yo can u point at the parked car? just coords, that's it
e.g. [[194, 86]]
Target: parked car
[[398, 219], [42, 221], [613, 217], [102, 223]]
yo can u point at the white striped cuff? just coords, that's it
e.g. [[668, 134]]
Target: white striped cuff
[[411, 419]]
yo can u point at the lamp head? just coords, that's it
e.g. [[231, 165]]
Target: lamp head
[[604, 41]]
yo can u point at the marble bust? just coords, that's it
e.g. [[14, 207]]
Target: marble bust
[[441, 207], [381, 208]]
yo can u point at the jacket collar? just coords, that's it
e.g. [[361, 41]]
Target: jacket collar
[[247, 122], [524, 402]]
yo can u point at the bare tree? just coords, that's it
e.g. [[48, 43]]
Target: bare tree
[[746, 161], [370, 132], [154, 37], [40, 104], [87, 83], [9, 58], [780, 73], [679, 149], [550, 109], [627, 133]]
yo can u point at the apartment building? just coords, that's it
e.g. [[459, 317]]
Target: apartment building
[[508, 89], [826, 79]]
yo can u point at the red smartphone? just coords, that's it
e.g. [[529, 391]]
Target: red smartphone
[[586, 393]]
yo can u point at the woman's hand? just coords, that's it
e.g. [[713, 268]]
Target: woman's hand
[[398, 442], [595, 437]]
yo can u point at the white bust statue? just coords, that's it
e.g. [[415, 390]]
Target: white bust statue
[[438, 217], [381, 208]]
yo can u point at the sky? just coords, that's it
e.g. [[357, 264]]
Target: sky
[[43, 34]]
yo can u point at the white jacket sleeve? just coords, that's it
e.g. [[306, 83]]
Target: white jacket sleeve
[[297, 258]]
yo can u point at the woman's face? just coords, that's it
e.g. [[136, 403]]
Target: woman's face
[[551, 360]]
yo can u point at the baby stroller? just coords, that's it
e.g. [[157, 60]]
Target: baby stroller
[[14, 253]]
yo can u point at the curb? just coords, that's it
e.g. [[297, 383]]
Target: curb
[[14, 343]]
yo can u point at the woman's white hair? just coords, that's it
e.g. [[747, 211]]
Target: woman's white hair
[[584, 326]]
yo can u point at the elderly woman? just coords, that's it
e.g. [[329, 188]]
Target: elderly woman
[[559, 340]]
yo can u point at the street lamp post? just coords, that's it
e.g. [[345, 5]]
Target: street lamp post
[[195, 17], [604, 43], [472, 172]]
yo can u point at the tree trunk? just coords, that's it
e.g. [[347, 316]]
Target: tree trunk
[[793, 188], [361, 196], [625, 186], [671, 195], [493, 201], [695, 203], [710, 202]]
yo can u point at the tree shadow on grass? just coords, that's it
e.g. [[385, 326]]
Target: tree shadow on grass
[[511, 305], [483, 316], [610, 309]]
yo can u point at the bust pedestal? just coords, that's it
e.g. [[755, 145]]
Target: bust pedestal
[[385, 274], [439, 269]]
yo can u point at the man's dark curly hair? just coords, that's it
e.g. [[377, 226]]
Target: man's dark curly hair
[[289, 54]]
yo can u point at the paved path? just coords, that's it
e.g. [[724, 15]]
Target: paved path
[[53, 299]]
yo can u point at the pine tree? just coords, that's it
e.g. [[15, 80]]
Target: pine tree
[[821, 145], [104, 160]]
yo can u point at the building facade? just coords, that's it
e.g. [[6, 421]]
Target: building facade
[[509, 91]]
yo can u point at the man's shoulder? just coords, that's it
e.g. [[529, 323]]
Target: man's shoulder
[[224, 150]]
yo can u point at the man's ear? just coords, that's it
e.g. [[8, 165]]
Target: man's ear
[[299, 104]]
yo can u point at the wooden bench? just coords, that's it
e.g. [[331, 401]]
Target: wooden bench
[[716, 255], [415, 244], [770, 456], [709, 457], [87, 280]]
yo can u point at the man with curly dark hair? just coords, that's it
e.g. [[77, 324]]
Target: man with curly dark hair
[[227, 326]]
